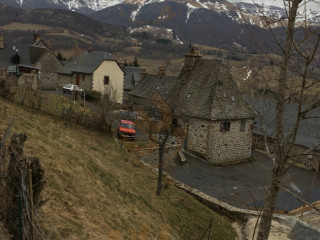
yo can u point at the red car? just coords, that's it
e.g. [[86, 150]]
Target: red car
[[126, 129]]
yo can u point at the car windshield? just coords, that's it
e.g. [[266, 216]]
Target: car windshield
[[127, 125], [68, 86]]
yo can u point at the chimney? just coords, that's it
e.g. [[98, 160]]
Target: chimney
[[1, 42], [37, 37], [162, 71], [90, 49], [191, 58]]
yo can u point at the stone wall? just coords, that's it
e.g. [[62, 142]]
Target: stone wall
[[310, 161], [85, 80], [197, 136], [48, 65], [47, 81], [63, 80], [29, 80], [226, 147]]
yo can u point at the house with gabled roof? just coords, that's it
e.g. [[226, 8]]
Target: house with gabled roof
[[44, 61], [37, 60], [94, 70], [205, 99]]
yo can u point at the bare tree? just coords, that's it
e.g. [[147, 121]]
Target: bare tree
[[106, 107], [296, 82], [159, 120]]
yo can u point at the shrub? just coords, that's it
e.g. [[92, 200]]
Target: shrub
[[93, 96]]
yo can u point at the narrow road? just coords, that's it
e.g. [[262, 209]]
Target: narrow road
[[244, 185]]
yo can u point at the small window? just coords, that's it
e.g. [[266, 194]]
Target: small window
[[188, 95], [225, 127], [106, 80], [243, 125], [174, 121]]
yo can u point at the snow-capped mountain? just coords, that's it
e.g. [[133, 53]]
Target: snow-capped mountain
[[217, 23], [88, 6]]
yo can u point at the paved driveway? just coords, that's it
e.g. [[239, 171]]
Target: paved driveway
[[244, 185]]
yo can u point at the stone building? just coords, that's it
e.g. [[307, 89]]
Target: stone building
[[44, 61], [206, 100], [37, 58], [94, 70]]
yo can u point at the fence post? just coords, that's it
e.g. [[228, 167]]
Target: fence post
[[20, 216], [31, 203], [84, 100]]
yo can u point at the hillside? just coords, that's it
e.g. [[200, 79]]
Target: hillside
[[65, 28], [207, 26], [96, 190]]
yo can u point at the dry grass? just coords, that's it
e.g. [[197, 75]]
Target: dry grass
[[96, 190]]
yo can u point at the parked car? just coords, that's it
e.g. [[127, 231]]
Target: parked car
[[71, 88], [126, 129]]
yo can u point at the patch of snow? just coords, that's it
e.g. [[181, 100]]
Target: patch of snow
[[191, 8], [134, 13], [201, 4], [248, 75]]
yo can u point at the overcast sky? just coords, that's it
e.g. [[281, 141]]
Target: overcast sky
[[278, 3]]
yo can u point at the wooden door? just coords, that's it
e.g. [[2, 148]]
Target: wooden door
[[78, 80]]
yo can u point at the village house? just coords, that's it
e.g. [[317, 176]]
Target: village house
[[131, 77], [35, 65], [205, 99], [94, 70], [43, 59], [307, 138]]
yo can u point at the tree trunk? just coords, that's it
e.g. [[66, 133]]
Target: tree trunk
[[281, 150], [269, 206], [161, 150]]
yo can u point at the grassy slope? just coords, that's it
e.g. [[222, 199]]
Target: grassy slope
[[95, 190]]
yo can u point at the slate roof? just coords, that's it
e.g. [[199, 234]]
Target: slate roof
[[206, 91], [35, 53], [152, 84], [303, 231], [86, 63], [131, 77], [7, 52], [309, 131]]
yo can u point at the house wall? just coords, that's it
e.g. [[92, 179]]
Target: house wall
[[63, 80], [111, 69], [85, 80], [48, 65], [197, 136], [229, 146]]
